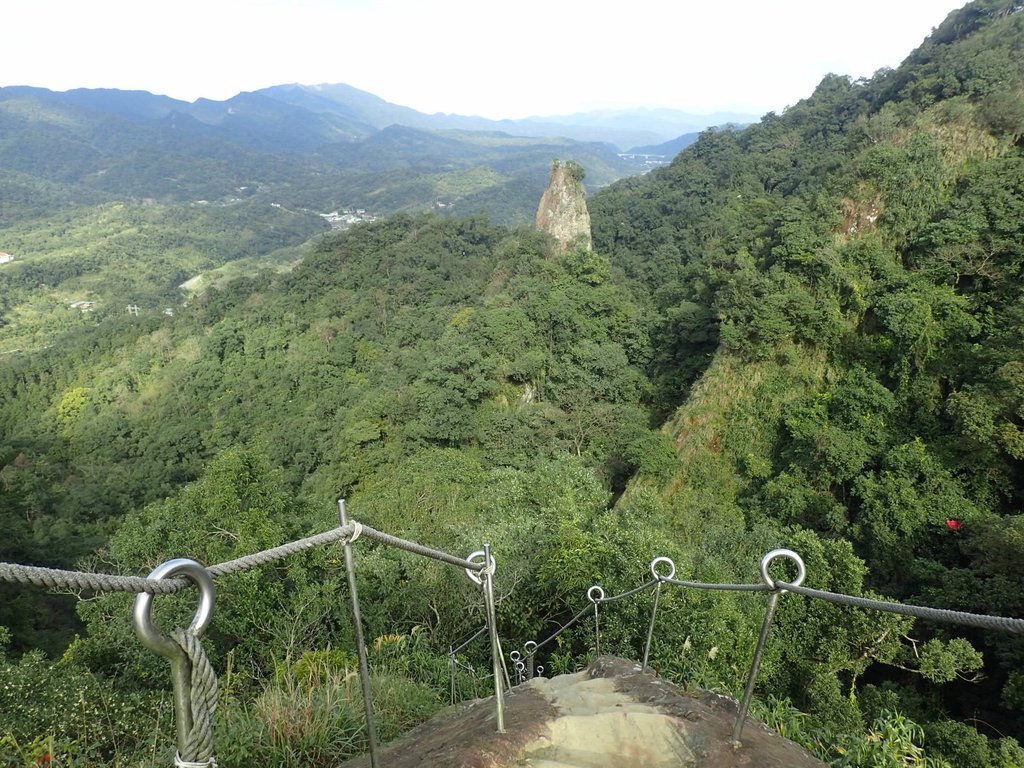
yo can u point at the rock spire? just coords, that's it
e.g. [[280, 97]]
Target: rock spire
[[563, 208]]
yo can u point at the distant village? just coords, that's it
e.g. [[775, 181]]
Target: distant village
[[84, 306], [346, 218], [647, 162]]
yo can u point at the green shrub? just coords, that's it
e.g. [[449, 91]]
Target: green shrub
[[311, 712], [74, 717]]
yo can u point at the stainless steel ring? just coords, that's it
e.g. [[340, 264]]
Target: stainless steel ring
[[654, 568], [788, 554], [474, 576], [142, 616]]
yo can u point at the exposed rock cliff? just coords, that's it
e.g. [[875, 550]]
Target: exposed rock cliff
[[609, 716], [563, 208]]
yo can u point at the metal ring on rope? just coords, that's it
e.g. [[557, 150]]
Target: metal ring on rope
[[491, 566], [142, 617], [530, 647], [590, 594], [654, 568], [788, 554]]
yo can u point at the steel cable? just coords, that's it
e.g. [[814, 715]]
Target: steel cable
[[465, 644], [630, 593], [984, 621], [419, 549], [561, 629], [724, 587]]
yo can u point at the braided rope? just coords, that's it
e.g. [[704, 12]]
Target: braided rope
[[999, 623], [56, 578], [283, 551], [203, 699]]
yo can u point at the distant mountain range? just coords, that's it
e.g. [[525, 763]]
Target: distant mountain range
[[623, 128], [302, 117], [321, 148]]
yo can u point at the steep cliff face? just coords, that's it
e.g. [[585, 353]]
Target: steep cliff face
[[563, 207]]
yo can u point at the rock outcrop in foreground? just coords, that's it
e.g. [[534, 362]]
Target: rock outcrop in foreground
[[562, 212], [609, 716]]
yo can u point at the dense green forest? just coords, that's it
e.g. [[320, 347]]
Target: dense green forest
[[117, 198], [807, 333]]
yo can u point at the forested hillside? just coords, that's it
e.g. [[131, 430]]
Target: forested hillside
[[503, 386], [807, 333], [839, 349], [118, 198]]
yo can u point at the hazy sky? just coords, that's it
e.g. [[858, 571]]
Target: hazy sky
[[497, 59]]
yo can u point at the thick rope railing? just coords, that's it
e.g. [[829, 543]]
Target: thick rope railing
[[56, 578], [195, 682]]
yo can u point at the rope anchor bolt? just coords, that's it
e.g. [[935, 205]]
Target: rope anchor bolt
[[195, 684]]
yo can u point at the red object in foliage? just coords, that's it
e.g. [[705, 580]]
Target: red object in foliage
[[954, 525], [45, 759]]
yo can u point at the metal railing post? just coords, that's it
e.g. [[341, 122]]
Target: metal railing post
[[487, 576], [595, 595], [484, 577], [193, 715], [531, 649], [654, 606], [357, 620], [762, 640]]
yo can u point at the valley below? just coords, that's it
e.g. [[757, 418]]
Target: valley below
[[801, 331]]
